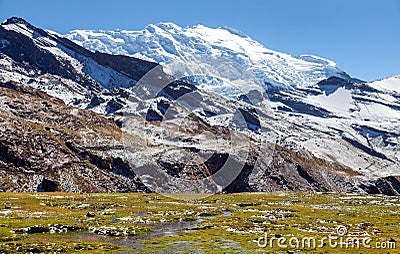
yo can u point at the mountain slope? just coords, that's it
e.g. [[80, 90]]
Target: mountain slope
[[39, 58], [48, 146]]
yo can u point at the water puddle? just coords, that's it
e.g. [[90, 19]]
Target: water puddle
[[161, 230]]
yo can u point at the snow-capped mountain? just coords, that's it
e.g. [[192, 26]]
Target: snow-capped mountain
[[329, 131], [167, 42], [307, 90]]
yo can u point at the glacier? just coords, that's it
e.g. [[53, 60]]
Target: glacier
[[166, 42]]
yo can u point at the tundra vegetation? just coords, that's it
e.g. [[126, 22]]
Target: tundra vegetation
[[143, 222]]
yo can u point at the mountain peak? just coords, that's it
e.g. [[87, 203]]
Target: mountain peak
[[166, 42], [15, 20], [164, 26], [167, 25]]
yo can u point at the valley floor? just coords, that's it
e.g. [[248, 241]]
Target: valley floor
[[290, 222]]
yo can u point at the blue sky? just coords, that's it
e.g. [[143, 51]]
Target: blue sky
[[361, 36]]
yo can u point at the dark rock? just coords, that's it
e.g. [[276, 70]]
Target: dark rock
[[36, 229], [153, 115], [176, 89], [113, 105], [48, 186], [299, 106], [370, 189], [330, 85], [95, 101], [303, 173], [251, 118], [90, 214]]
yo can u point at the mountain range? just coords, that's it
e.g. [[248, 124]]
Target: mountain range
[[167, 108]]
